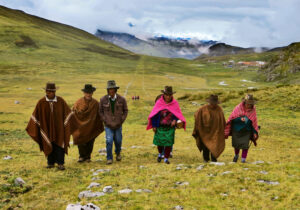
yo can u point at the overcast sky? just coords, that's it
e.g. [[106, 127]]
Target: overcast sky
[[245, 23]]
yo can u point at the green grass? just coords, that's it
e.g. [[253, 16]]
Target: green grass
[[61, 56]]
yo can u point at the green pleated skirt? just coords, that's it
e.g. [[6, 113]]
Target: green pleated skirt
[[164, 136]]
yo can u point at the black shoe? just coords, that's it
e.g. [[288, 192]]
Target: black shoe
[[50, 166], [235, 159], [61, 167], [81, 160], [159, 159]]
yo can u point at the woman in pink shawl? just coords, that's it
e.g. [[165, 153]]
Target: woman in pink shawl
[[163, 119], [242, 126]]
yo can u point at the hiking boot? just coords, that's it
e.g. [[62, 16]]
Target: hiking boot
[[109, 162], [88, 160], [61, 167], [81, 160], [159, 159], [119, 157], [235, 158], [243, 160], [167, 161], [50, 166]]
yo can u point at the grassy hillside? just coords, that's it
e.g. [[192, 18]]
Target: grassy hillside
[[34, 51], [285, 66]]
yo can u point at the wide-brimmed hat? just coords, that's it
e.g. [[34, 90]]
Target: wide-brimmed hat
[[168, 90], [51, 87], [249, 99], [213, 99], [88, 88], [111, 84]]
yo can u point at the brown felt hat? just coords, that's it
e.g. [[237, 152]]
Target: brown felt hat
[[249, 99], [168, 90], [88, 88], [111, 84], [51, 87], [213, 99]]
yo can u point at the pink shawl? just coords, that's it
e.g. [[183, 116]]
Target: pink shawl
[[172, 107], [240, 111]]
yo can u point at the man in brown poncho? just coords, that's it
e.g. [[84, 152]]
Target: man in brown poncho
[[50, 126], [209, 129], [86, 113]]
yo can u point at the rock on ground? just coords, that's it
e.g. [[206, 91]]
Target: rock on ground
[[143, 190], [7, 158], [93, 184], [90, 194], [217, 163], [125, 191], [89, 206], [19, 181], [108, 189]]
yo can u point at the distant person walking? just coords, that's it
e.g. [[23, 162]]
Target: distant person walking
[[163, 119], [50, 125], [113, 112], [209, 129], [86, 113], [242, 126]]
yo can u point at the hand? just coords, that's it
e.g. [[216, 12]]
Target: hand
[[255, 136], [173, 123], [243, 119], [154, 130]]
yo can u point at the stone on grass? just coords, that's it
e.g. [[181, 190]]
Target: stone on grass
[[226, 172], [19, 182], [7, 158], [268, 182], [243, 190], [217, 163], [143, 190], [141, 167], [274, 198], [89, 206], [224, 194], [93, 184], [199, 168], [102, 150], [17, 102], [125, 191], [178, 207], [102, 153], [90, 194], [182, 183], [178, 168], [108, 189], [258, 162], [263, 172]]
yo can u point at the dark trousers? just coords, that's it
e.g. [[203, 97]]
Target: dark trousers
[[86, 149], [206, 153], [166, 150], [57, 155]]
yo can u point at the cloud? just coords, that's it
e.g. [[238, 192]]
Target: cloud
[[247, 23]]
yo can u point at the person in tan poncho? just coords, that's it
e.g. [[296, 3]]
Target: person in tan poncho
[[51, 125], [209, 129], [90, 125]]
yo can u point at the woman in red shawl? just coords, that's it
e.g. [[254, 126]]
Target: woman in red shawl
[[242, 126], [164, 117]]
